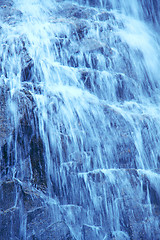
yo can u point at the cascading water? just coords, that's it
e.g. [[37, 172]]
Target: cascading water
[[79, 120]]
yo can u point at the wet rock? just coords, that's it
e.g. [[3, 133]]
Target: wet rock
[[150, 141], [122, 63], [105, 16], [135, 211], [151, 11], [124, 149], [23, 102], [23, 207], [6, 127], [92, 232], [10, 224], [82, 29], [40, 223], [10, 214], [75, 11], [93, 3], [126, 153], [97, 176], [27, 71], [81, 50], [19, 128], [73, 62], [151, 191], [8, 191], [57, 231], [38, 161], [126, 88], [86, 77]]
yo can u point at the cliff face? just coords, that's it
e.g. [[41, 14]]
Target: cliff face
[[79, 121]]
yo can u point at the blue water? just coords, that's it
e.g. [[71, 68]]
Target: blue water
[[94, 78]]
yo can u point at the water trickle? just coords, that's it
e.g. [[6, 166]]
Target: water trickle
[[79, 120]]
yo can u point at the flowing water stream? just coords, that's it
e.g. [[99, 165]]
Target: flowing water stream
[[83, 117]]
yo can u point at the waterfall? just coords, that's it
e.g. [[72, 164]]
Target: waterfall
[[79, 120]]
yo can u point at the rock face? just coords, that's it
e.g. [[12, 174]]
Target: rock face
[[37, 219], [5, 131], [79, 123]]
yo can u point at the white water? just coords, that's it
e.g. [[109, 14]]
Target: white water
[[98, 111]]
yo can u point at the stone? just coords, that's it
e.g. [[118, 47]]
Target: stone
[[150, 141], [27, 71], [125, 88], [17, 127], [105, 16], [124, 149], [58, 231], [6, 127], [10, 224], [150, 11], [23, 102], [23, 207], [8, 192], [92, 232], [75, 11], [37, 161], [151, 191], [82, 29], [86, 77]]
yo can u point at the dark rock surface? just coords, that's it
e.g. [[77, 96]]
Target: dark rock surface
[[22, 207], [6, 127]]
